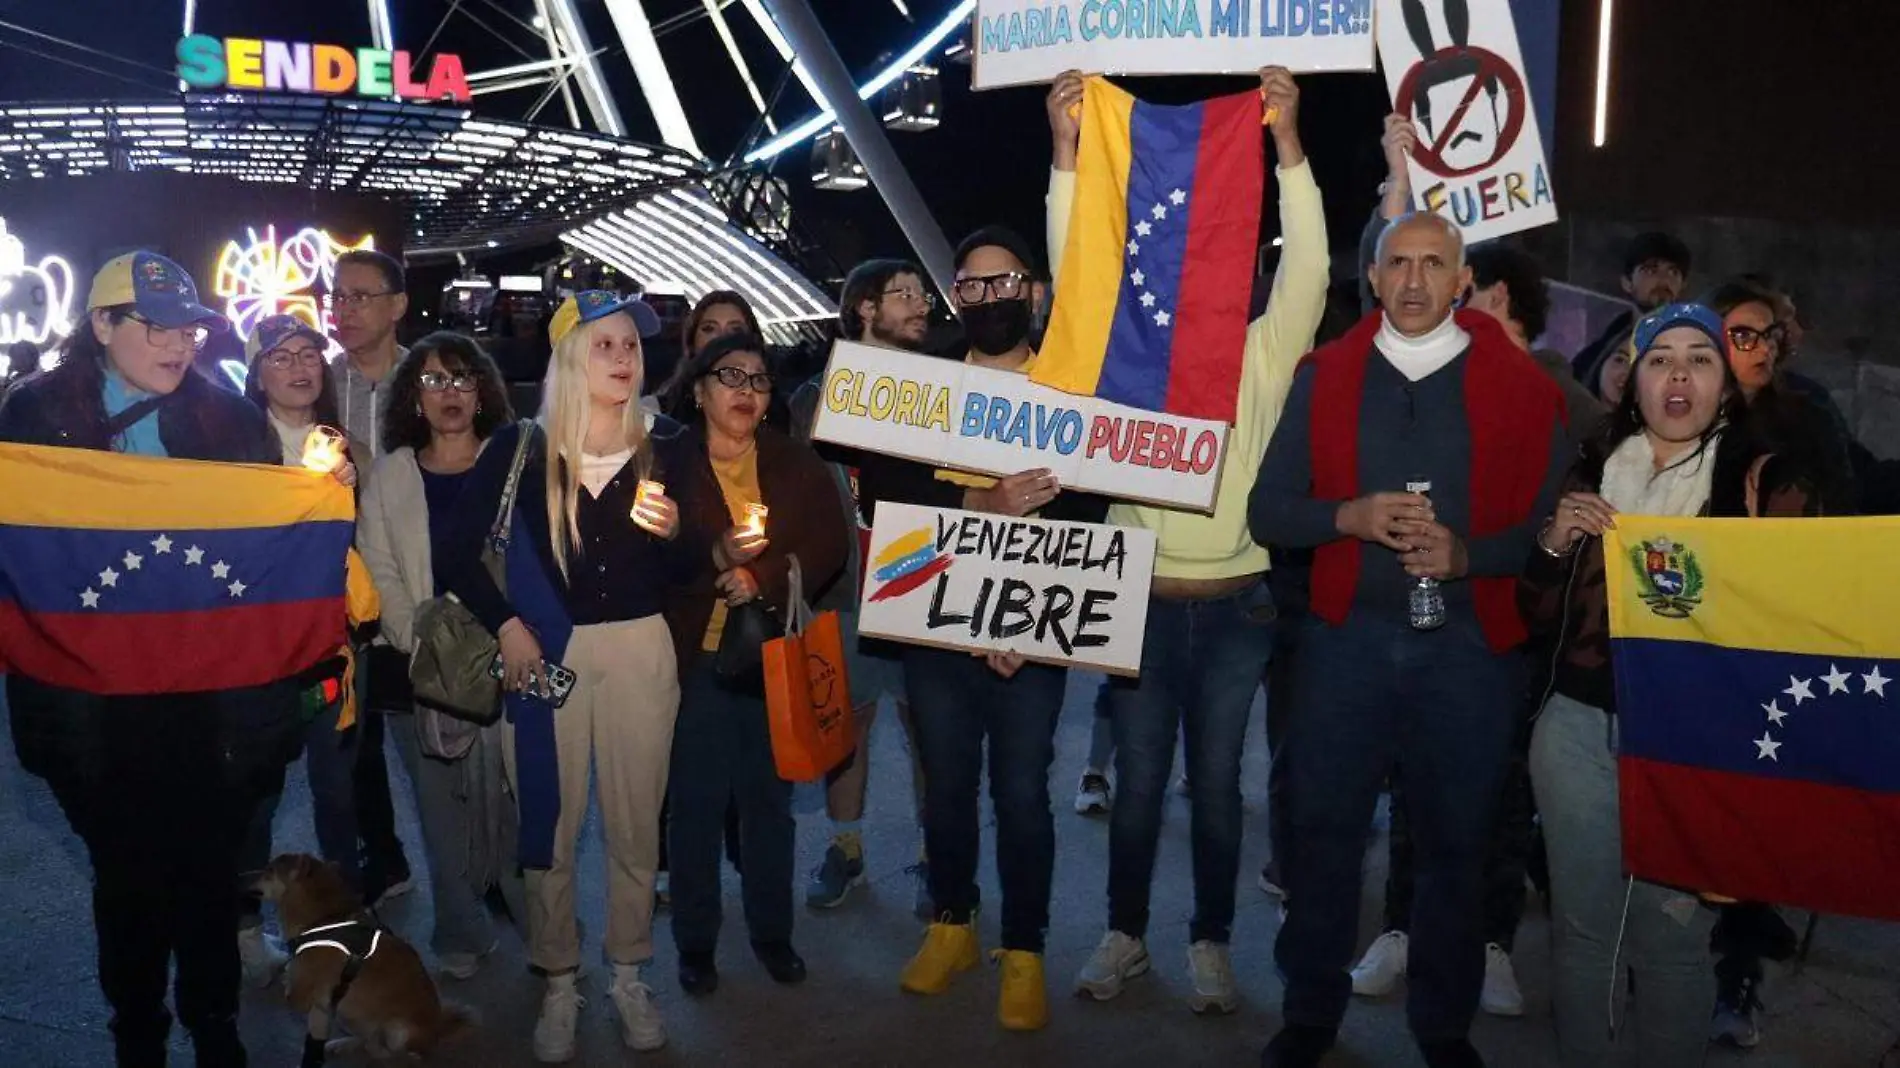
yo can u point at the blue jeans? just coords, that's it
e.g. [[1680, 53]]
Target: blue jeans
[[956, 702], [722, 752], [330, 759], [1201, 662], [1364, 693], [1663, 933]]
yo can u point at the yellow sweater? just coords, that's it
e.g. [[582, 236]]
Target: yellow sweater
[[1192, 546]]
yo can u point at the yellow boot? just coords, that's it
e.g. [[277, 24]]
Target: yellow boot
[[1024, 1005], [948, 948]]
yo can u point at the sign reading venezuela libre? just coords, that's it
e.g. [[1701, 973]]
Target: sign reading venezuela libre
[[206, 62]]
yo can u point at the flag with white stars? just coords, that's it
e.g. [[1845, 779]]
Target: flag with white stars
[[129, 575], [1758, 708], [1157, 273]]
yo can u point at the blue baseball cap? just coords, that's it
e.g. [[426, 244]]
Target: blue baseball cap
[[277, 330], [590, 304], [159, 290], [1671, 316]]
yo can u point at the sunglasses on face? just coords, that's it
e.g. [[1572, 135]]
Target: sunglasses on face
[[739, 377], [1747, 338], [437, 381]]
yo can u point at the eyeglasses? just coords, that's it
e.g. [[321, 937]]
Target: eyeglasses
[[739, 378], [1010, 285], [357, 300], [182, 337], [437, 381], [285, 359], [1747, 338], [912, 296]]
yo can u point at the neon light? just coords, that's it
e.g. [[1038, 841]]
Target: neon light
[[209, 63], [804, 130], [261, 277], [1599, 129], [47, 284]]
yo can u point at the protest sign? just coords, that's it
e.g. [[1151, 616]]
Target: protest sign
[[1020, 41], [1060, 593], [1454, 67], [971, 418]]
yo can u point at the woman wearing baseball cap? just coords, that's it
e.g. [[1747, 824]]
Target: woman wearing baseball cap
[[596, 543], [135, 774], [1675, 445]]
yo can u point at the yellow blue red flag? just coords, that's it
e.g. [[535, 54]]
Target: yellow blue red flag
[[133, 575], [1756, 666], [1157, 276]]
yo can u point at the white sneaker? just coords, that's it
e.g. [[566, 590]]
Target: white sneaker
[[640, 1023], [465, 965], [260, 955], [1093, 794], [1501, 997], [1117, 959], [1379, 971], [560, 1011], [1212, 973]]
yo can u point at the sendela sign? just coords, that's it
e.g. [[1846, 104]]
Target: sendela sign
[[245, 63]]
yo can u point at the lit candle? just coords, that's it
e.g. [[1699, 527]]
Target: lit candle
[[323, 450], [755, 519], [642, 497]]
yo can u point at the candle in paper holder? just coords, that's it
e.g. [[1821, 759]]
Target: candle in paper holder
[[642, 497], [324, 450]]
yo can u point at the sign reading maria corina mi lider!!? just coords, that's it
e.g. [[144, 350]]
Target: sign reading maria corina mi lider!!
[[206, 63]]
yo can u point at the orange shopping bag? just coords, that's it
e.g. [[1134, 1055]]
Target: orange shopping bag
[[807, 696]]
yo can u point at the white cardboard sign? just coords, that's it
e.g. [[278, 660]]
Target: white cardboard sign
[[1454, 66], [998, 423], [1021, 41], [1057, 592]]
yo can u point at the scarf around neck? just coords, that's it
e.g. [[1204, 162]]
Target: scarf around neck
[[1633, 486], [1417, 357]]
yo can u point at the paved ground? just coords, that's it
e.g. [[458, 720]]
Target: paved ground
[[1842, 1010]]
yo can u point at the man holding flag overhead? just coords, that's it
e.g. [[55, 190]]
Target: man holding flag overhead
[[1129, 204], [154, 619], [1413, 397]]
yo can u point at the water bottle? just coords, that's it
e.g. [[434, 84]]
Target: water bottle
[[1425, 600]]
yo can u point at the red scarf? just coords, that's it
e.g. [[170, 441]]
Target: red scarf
[[1512, 407]]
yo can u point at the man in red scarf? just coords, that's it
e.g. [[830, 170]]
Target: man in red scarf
[[1415, 392]]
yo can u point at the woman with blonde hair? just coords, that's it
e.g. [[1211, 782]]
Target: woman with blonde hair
[[593, 544]]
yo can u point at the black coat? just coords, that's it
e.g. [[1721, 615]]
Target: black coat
[[197, 421]]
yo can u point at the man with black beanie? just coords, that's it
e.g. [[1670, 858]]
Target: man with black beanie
[[1655, 272]]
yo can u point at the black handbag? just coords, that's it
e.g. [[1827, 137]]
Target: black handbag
[[740, 658]]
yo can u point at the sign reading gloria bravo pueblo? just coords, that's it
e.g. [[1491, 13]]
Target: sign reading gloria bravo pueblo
[[293, 66], [997, 423], [1021, 41], [1061, 593]]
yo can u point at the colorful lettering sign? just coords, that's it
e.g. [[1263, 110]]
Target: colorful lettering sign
[[206, 63], [1455, 68], [1018, 41], [36, 299], [997, 423], [1059, 593]]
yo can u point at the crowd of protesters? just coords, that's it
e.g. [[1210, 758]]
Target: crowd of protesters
[[1493, 733]]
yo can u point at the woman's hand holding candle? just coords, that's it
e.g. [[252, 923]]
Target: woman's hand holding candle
[[742, 544], [655, 512]]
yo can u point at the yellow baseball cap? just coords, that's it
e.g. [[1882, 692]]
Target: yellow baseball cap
[[158, 289], [591, 304]]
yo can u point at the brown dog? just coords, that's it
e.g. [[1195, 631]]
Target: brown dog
[[390, 1006]]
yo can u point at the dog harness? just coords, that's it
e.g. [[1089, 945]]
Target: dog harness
[[358, 940]]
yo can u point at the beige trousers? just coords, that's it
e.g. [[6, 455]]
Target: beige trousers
[[619, 719]]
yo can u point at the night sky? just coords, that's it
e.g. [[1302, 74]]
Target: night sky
[[1723, 107]]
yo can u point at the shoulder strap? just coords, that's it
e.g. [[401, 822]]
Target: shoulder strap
[[1751, 487], [125, 420], [498, 535]]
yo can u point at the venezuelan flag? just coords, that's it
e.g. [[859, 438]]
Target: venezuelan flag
[[1758, 695], [133, 575], [1151, 307]]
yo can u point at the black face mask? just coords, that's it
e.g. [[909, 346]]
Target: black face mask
[[996, 327]]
